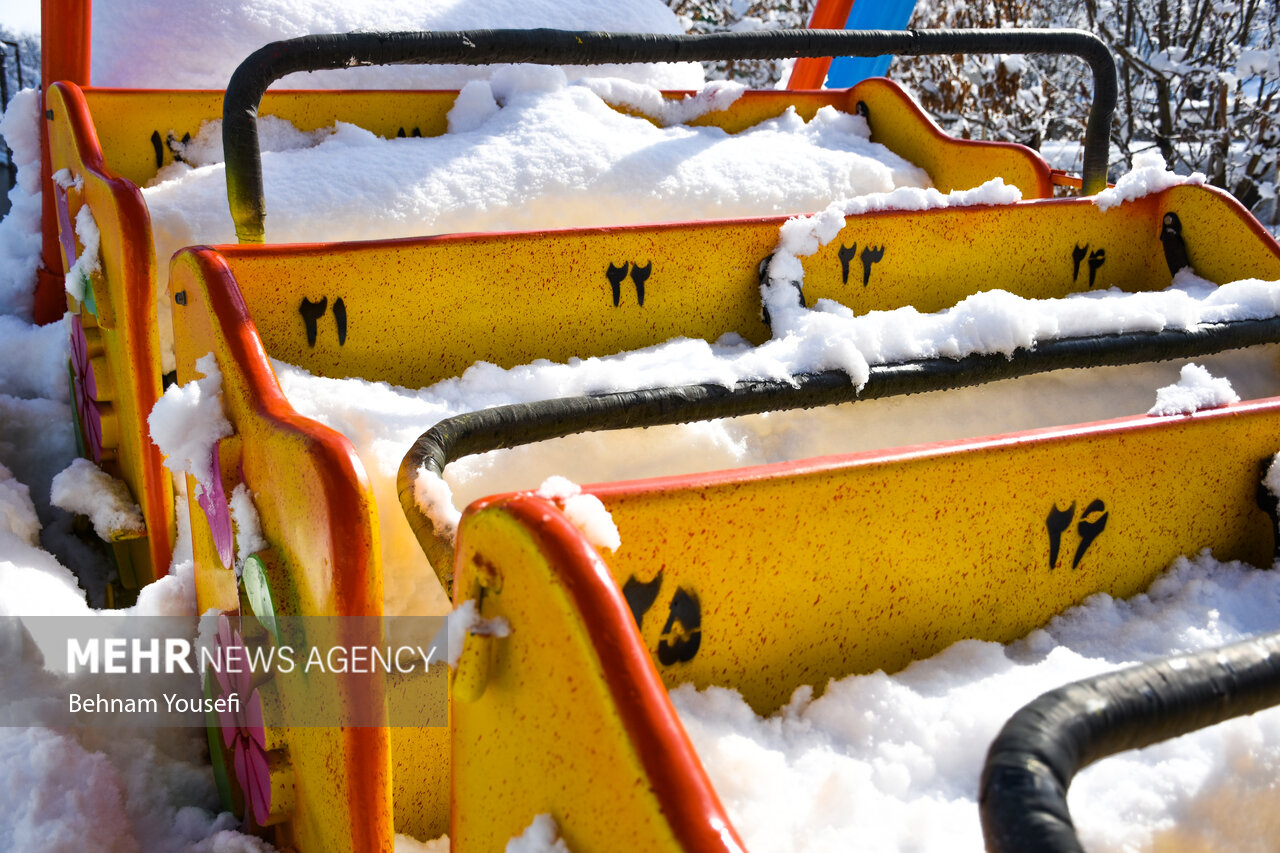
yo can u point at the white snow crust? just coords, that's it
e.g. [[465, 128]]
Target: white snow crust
[[249, 538], [463, 620], [87, 262], [584, 511], [541, 836], [1196, 389], [145, 45], [187, 421], [1150, 174], [17, 512], [84, 488]]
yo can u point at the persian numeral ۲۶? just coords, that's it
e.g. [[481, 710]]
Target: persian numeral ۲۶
[[1090, 526]]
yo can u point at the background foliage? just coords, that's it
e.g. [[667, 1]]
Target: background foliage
[[1198, 79]]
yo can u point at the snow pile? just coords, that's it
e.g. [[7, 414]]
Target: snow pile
[[34, 363], [87, 262], [110, 788], [1149, 175], [86, 228], [17, 512], [435, 498], [205, 148], [891, 762], [584, 511], [1272, 478], [20, 236], [542, 836], [84, 488], [528, 150], [147, 45], [1258, 63], [187, 423], [648, 101], [1196, 389], [248, 527]]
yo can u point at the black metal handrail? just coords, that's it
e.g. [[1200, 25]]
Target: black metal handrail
[[554, 47], [509, 426], [1023, 792]]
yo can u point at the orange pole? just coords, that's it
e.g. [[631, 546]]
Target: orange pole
[[64, 55], [810, 72]]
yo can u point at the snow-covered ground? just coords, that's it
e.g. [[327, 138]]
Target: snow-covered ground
[[879, 762]]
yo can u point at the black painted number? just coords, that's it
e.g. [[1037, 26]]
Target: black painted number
[[870, 256], [682, 631], [311, 313], [1090, 526], [1097, 258], [618, 274]]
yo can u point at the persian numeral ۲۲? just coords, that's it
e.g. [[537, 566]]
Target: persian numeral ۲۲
[[870, 256], [618, 274]]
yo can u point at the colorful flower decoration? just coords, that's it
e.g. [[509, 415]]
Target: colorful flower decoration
[[213, 500], [243, 729], [85, 389]]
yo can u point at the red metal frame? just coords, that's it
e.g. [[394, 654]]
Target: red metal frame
[[65, 31]]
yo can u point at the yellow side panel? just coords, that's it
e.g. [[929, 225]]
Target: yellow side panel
[[933, 259], [764, 581], [127, 120], [317, 515], [1224, 243], [420, 765], [415, 311], [123, 342], [136, 127], [899, 124], [550, 732]]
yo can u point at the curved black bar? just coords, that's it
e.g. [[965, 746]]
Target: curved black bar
[[557, 47], [524, 423], [1023, 793]]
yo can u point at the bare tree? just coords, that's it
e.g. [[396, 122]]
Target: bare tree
[[1198, 78]]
